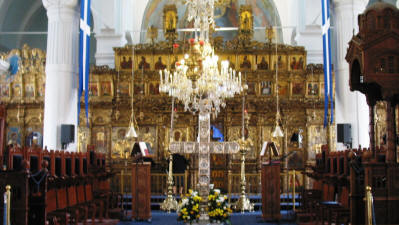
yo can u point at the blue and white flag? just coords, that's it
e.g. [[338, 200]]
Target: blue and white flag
[[84, 55], [328, 90]]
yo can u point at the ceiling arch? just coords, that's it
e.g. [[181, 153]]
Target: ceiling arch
[[264, 11]]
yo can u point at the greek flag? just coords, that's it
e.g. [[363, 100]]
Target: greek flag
[[328, 91], [84, 54]]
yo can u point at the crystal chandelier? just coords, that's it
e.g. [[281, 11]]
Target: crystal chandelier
[[198, 77]]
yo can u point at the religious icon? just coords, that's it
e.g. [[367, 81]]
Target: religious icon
[[300, 63], [279, 62], [129, 63], [121, 134], [282, 89], [266, 87], [251, 88], [177, 136], [296, 65], [313, 89], [124, 63], [93, 89], [297, 89], [246, 64], [246, 20], [14, 136], [106, 88], [170, 22], [17, 90], [100, 139], [263, 65], [159, 64], [5, 90], [293, 63], [29, 91], [154, 88], [34, 138], [144, 64], [139, 89]]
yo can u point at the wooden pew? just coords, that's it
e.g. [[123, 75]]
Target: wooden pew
[[15, 158], [68, 195], [34, 157]]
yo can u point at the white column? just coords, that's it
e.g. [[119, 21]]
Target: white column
[[106, 40], [60, 105], [350, 107]]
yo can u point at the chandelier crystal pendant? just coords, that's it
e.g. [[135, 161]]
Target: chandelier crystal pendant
[[197, 76]]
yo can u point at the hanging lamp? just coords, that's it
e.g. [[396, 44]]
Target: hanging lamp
[[277, 130], [131, 133]]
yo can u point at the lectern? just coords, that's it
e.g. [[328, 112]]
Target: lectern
[[270, 178], [141, 181], [141, 191]]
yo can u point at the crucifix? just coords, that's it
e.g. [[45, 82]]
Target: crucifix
[[203, 147]]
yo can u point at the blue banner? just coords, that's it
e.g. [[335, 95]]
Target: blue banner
[[328, 84], [84, 55]]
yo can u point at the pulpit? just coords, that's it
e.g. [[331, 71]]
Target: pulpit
[[270, 178], [141, 191]]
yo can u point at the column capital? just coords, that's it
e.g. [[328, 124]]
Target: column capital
[[48, 4]]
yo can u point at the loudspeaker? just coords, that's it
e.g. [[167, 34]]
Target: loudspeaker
[[67, 134], [344, 133]]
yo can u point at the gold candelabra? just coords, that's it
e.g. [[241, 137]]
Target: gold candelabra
[[243, 203], [170, 202]]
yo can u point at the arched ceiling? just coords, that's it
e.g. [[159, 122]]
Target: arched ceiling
[[22, 16], [27, 16], [264, 11]]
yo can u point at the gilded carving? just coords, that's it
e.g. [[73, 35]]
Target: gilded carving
[[246, 28], [170, 19]]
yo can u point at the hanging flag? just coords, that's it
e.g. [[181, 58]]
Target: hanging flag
[[328, 91], [84, 55]]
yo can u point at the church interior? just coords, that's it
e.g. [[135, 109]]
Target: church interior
[[199, 112]]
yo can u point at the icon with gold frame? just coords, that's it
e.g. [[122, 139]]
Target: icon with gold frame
[[170, 19]]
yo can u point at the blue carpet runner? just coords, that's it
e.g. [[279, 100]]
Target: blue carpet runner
[[248, 218]]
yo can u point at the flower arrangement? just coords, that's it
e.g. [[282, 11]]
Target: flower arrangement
[[189, 208], [218, 208]]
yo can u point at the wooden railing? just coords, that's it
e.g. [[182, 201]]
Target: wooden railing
[[159, 183]]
